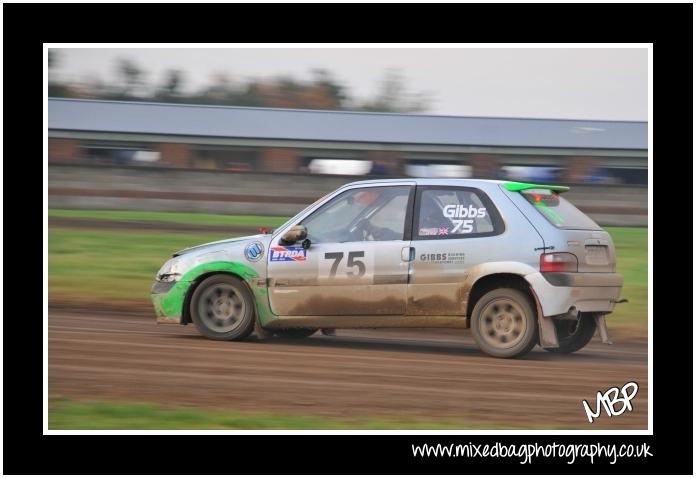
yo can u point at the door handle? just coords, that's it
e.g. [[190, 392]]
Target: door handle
[[408, 254]]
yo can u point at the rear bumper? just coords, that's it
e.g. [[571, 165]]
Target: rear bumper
[[583, 279], [558, 293]]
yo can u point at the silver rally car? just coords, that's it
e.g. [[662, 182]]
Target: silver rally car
[[514, 262]]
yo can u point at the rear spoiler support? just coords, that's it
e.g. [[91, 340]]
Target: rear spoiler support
[[516, 187]]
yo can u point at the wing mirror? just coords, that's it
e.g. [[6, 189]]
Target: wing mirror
[[296, 233]]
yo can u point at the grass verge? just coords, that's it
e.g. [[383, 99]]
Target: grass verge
[[110, 265], [66, 414], [632, 262]]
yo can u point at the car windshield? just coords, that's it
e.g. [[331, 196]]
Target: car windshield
[[557, 210], [293, 219]]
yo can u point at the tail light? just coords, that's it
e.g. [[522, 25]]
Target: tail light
[[558, 262]]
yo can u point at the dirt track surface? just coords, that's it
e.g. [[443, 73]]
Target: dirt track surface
[[407, 374]]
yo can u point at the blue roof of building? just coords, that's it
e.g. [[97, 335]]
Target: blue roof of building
[[342, 126]]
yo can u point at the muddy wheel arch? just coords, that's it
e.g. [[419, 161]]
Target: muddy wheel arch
[[482, 278]]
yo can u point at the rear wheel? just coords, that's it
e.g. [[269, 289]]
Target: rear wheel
[[574, 334], [294, 333], [222, 308], [504, 323]]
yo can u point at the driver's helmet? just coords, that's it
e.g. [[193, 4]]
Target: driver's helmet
[[366, 198]]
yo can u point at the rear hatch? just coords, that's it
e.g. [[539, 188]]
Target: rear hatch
[[575, 231], [594, 250]]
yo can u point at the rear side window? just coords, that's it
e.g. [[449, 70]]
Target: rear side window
[[452, 212], [557, 210]]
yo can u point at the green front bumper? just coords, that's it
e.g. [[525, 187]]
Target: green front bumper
[[168, 299]]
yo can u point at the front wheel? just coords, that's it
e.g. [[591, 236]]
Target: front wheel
[[574, 334], [504, 323], [222, 308]]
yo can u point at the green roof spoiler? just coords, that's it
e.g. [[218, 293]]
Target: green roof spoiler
[[516, 187]]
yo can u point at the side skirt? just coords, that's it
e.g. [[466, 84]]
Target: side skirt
[[368, 322]]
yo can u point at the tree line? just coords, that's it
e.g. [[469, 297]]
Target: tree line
[[131, 82]]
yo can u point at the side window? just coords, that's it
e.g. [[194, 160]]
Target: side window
[[392, 216], [451, 212], [364, 214]]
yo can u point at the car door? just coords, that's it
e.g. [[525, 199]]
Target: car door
[[358, 260], [453, 230]]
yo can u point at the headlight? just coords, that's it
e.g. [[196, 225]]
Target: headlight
[[169, 277], [169, 271]]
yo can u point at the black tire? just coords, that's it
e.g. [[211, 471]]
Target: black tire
[[294, 333], [574, 334], [222, 308], [504, 323]]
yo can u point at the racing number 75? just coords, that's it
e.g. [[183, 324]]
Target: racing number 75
[[352, 262]]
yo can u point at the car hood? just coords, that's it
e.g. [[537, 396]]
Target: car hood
[[216, 245]]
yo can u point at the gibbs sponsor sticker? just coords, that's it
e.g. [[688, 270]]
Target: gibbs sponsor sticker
[[443, 258], [253, 251], [288, 254], [457, 212]]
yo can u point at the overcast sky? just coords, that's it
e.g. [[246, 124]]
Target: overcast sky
[[552, 83]]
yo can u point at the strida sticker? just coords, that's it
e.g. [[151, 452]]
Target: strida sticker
[[288, 254]]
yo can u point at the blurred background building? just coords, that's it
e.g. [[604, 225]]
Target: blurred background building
[[246, 160], [292, 141]]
